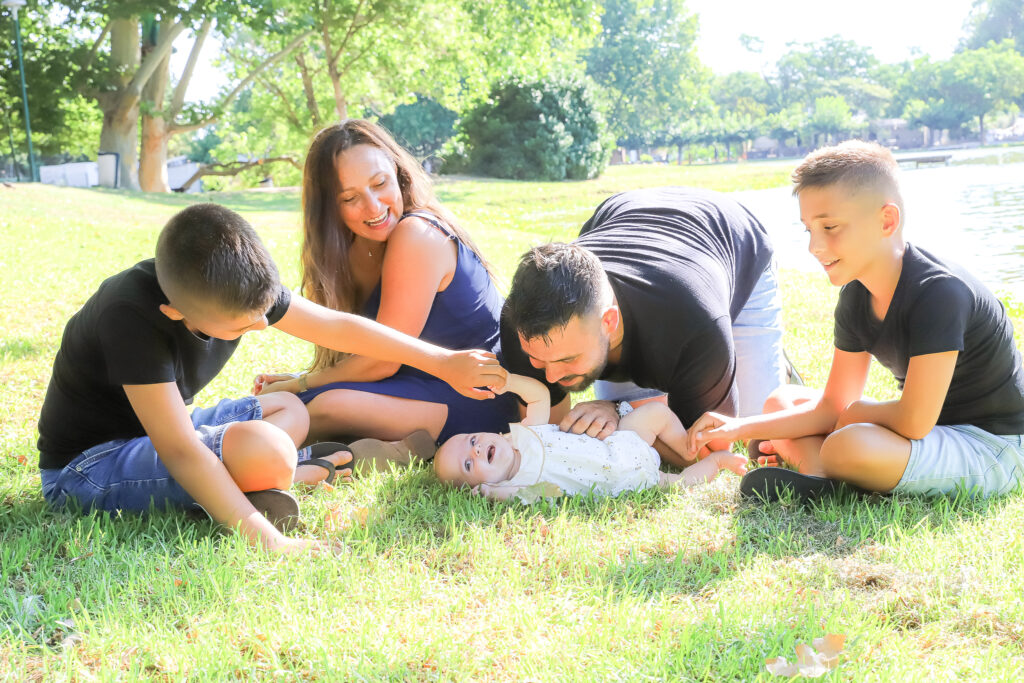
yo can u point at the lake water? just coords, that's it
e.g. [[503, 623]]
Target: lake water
[[972, 213]]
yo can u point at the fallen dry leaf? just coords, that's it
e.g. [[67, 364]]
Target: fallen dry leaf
[[812, 662], [359, 516]]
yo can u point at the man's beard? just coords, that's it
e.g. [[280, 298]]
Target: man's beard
[[583, 382]]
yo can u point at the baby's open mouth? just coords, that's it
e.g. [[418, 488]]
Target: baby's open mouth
[[490, 453]]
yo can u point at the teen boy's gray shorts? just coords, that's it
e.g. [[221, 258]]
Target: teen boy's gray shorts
[[954, 457]]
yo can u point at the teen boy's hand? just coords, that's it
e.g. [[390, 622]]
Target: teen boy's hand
[[712, 426], [467, 370]]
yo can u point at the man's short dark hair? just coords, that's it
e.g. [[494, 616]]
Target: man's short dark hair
[[553, 283], [209, 254]]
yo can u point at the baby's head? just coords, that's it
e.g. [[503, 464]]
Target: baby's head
[[472, 459]]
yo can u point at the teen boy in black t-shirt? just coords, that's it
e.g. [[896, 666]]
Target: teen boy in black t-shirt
[[959, 420], [114, 432]]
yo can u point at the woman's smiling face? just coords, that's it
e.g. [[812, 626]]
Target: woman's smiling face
[[370, 200]]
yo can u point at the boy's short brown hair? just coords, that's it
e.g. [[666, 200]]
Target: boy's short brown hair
[[208, 253], [856, 164]]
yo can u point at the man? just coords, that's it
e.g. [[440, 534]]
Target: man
[[670, 289]]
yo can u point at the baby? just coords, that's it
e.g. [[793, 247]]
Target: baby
[[498, 466]]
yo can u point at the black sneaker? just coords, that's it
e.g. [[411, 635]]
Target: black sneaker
[[279, 507], [769, 484]]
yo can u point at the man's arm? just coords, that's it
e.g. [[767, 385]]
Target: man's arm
[[916, 411], [162, 413], [464, 370]]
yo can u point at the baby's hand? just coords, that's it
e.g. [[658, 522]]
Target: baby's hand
[[499, 388], [484, 490]]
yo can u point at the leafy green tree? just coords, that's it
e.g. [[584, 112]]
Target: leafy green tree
[[995, 20], [421, 127], [831, 116], [63, 126], [539, 130], [983, 80], [729, 90], [645, 61], [833, 66], [788, 123], [366, 57]]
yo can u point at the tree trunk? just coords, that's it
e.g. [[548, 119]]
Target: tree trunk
[[679, 155], [981, 128], [120, 131], [153, 161]]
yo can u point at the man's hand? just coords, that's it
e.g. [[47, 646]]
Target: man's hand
[[593, 418], [712, 427], [467, 370]]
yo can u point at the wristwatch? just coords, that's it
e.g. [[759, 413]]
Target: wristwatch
[[623, 408]]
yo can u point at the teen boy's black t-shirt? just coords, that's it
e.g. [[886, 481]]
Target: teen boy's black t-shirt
[[120, 337], [682, 263], [939, 307]]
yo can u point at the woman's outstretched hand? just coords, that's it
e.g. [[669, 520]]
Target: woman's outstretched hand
[[268, 383], [468, 370]]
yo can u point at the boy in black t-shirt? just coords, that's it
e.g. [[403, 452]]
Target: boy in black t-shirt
[[114, 433], [959, 421]]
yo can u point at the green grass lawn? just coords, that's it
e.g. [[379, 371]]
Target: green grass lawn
[[435, 584]]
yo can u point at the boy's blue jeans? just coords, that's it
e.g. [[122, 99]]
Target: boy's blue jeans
[[126, 474]]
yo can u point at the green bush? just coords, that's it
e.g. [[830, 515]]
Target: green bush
[[543, 130]]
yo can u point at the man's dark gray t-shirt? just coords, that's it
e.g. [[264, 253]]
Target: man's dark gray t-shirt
[[120, 337], [939, 307], [682, 263]]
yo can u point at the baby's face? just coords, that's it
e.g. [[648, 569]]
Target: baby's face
[[472, 459]]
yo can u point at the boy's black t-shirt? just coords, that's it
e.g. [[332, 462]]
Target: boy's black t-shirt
[[120, 337], [939, 307], [682, 263]]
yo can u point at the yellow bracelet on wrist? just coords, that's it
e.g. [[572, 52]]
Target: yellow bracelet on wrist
[[303, 382]]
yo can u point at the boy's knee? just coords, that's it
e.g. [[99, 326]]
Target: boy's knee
[[844, 451], [259, 455], [283, 402]]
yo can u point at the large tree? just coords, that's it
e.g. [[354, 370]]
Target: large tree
[[645, 60], [995, 20], [367, 57], [63, 124]]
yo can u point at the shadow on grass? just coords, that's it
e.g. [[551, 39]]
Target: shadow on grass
[[831, 530], [17, 348]]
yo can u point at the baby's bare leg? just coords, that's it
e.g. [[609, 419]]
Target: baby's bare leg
[[705, 470]]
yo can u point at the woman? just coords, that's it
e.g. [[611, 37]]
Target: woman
[[376, 241]]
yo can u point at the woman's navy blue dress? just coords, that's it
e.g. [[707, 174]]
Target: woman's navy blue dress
[[464, 316]]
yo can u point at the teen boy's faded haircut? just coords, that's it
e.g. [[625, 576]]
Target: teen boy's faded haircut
[[855, 164], [553, 283], [209, 254]]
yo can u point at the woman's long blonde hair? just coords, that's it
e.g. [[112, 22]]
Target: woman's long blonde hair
[[326, 275]]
